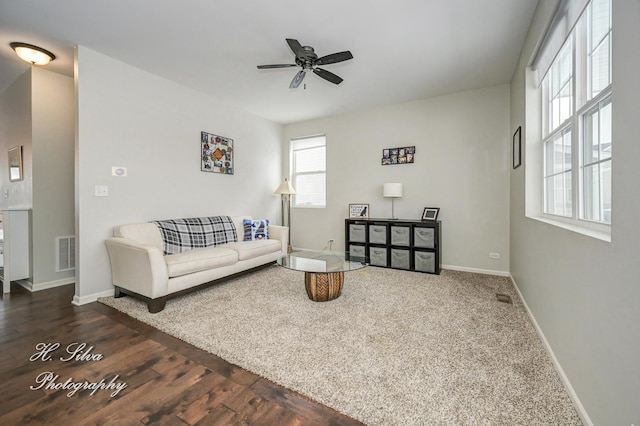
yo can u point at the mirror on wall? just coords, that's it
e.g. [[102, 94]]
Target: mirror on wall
[[15, 164]]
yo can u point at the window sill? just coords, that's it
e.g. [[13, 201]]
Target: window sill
[[593, 233]]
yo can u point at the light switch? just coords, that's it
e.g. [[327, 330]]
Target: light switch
[[102, 191]]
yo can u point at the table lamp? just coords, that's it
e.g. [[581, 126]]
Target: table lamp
[[392, 190]]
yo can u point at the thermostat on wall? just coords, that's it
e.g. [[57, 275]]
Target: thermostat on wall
[[119, 171]]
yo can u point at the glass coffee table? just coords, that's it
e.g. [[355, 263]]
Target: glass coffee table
[[323, 271]]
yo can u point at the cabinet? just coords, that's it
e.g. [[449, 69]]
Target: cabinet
[[413, 245], [16, 247]]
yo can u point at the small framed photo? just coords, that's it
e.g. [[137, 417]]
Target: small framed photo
[[430, 213], [359, 211], [517, 148]]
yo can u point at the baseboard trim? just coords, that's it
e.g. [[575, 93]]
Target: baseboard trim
[[476, 270], [563, 377], [83, 300], [46, 285]]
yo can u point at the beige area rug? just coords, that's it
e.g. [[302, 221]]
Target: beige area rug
[[397, 348]]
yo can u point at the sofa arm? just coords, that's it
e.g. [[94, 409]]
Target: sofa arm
[[137, 267], [281, 233]]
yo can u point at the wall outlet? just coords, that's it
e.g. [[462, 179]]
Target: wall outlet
[[101, 191], [494, 255], [331, 240]]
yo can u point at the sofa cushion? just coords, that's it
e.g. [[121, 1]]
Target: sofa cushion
[[180, 235], [257, 229], [199, 260], [250, 249]]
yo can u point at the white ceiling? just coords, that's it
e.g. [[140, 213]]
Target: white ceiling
[[403, 49]]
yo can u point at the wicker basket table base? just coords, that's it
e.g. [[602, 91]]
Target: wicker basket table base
[[322, 287]]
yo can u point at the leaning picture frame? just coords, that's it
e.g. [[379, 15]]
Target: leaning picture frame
[[430, 213], [517, 148], [15, 164], [359, 211]]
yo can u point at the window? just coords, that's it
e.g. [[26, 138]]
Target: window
[[576, 124], [309, 166]]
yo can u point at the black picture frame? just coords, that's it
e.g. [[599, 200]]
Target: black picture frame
[[517, 148], [400, 155], [430, 213]]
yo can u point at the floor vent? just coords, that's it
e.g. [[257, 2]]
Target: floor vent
[[504, 298], [65, 253]]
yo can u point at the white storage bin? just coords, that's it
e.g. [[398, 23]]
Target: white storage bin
[[377, 234], [358, 233], [400, 235], [424, 237], [355, 250], [425, 261], [400, 259], [378, 256]]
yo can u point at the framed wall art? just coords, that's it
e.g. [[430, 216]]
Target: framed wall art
[[517, 148], [359, 210], [15, 164], [402, 155], [430, 213], [216, 153]]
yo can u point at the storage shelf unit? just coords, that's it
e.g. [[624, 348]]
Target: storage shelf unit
[[413, 245]]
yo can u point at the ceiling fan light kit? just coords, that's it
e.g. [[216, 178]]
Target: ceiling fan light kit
[[307, 59]]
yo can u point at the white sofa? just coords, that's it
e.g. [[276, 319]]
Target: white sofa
[[140, 268]]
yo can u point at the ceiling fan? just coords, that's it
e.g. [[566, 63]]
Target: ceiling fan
[[309, 61]]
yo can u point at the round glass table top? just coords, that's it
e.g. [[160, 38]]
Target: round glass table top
[[322, 261]]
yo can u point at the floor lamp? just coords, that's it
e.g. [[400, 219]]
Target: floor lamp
[[286, 191], [392, 190]]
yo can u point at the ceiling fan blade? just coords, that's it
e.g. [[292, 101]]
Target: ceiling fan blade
[[334, 58], [297, 48], [329, 76], [297, 79], [266, 67]]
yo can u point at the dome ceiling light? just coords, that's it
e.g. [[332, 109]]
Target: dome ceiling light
[[33, 54]]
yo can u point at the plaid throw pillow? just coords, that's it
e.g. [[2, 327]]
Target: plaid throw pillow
[[180, 235]]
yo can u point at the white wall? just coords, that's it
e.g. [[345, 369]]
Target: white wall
[[131, 118], [36, 111], [462, 164], [53, 107], [15, 130], [584, 293]]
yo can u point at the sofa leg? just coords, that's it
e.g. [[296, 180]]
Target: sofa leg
[[156, 305], [118, 293]]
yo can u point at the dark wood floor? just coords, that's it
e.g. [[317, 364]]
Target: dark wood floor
[[168, 381]]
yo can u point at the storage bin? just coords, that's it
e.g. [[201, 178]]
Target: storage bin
[[378, 256], [400, 235], [424, 237], [425, 261], [400, 259], [358, 233], [355, 250], [377, 234]]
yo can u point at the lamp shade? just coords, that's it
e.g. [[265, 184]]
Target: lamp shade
[[33, 54], [285, 188], [392, 190]]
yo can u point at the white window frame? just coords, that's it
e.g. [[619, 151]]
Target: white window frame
[[319, 141], [582, 106]]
